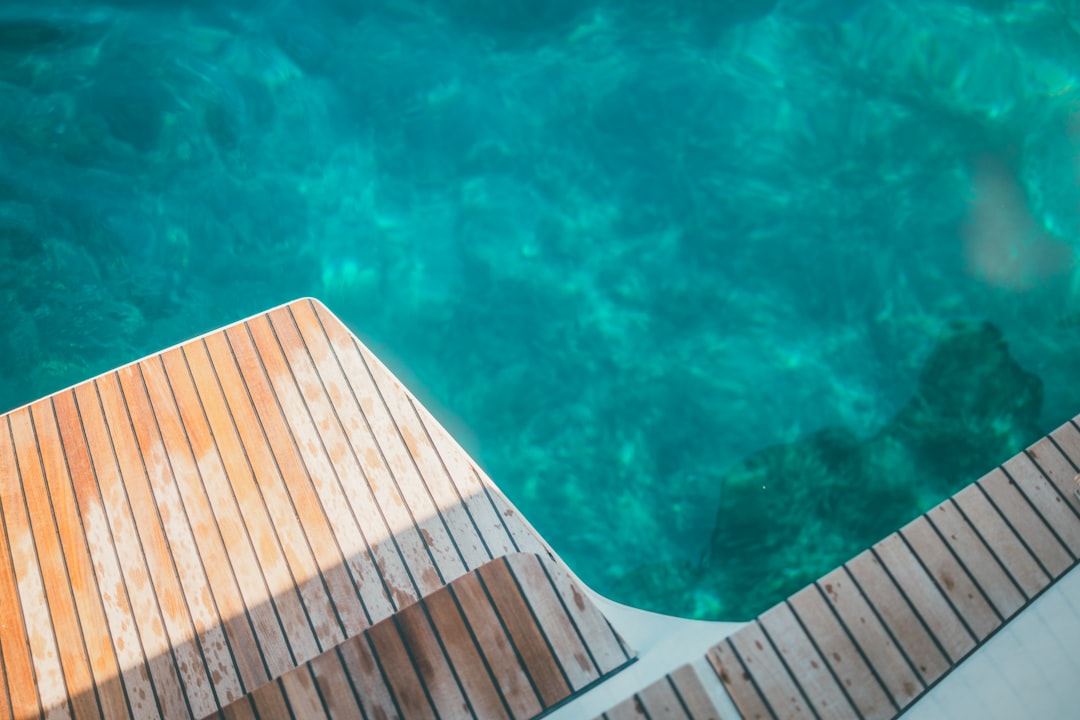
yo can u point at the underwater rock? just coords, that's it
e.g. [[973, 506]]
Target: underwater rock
[[792, 512]]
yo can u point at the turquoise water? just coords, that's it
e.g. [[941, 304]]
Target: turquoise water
[[718, 292]]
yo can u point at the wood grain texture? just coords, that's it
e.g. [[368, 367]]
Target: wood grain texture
[[196, 525], [474, 648]]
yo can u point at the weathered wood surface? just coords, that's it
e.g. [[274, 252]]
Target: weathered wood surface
[[182, 531], [496, 643]]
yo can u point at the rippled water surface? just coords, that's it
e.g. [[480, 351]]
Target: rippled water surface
[[718, 292]]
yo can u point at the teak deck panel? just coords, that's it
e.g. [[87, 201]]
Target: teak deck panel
[[188, 529], [262, 522], [429, 661]]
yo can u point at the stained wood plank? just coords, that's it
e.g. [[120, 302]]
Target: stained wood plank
[[1048, 503], [771, 679], [926, 597], [303, 695], [805, 664], [1047, 454], [251, 534], [200, 643], [335, 686], [898, 615], [874, 640], [301, 454], [133, 595], [333, 347], [403, 495], [551, 615], [985, 568], [367, 676], [844, 658], [1033, 531], [1023, 567], [270, 702], [44, 653], [273, 617], [324, 581], [111, 595], [19, 671], [227, 608], [270, 511], [695, 698], [953, 579], [495, 646], [77, 563], [481, 687], [70, 642], [376, 552], [545, 672], [409, 688]]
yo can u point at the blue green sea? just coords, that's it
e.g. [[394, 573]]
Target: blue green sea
[[719, 292]]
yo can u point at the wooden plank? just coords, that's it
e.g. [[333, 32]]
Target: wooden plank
[[428, 656], [844, 658], [984, 517], [953, 579], [1067, 439], [325, 403], [694, 697], [1046, 500], [496, 647], [335, 687], [251, 532], [546, 605], [661, 702], [872, 637], [19, 671], [78, 564], [227, 607], [926, 597], [74, 657], [171, 597], [111, 595], [134, 598], [325, 583], [198, 640], [285, 553], [986, 569], [605, 646], [367, 677], [44, 653], [242, 710], [415, 463], [544, 669], [898, 615], [805, 663], [409, 689], [765, 674], [405, 498], [270, 702], [1031, 529], [485, 696], [303, 694], [273, 618], [300, 452], [1058, 467]]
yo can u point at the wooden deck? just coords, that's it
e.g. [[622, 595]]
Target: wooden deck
[[263, 522]]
